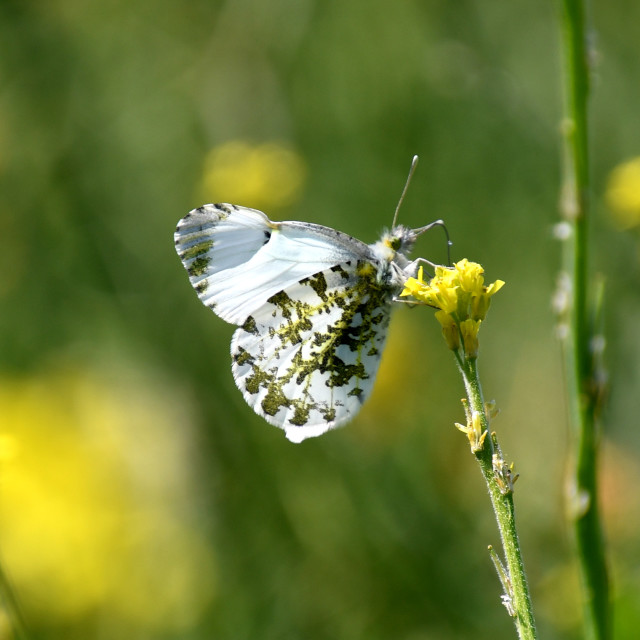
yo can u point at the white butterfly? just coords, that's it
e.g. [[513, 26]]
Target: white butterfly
[[312, 305]]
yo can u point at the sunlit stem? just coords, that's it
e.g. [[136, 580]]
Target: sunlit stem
[[519, 600]]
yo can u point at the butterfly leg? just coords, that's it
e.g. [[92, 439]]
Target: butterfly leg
[[412, 267]]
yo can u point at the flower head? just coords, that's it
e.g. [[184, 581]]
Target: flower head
[[462, 300]]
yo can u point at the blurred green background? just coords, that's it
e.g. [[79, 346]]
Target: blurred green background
[[140, 497]]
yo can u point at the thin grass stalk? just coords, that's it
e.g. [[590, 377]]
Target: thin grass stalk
[[582, 390]]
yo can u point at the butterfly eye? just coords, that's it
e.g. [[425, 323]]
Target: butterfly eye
[[395, 243]]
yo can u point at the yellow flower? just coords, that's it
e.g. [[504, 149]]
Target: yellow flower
[[264, 176], [475, 431], [414, 286], [450, 329], [623, 193], [469, 329], [440, 292], [480, 304], [461, 298], [94, 503], [470, 276], [445, 296]]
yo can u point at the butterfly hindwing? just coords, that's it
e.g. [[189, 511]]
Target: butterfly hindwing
[[306, 359]]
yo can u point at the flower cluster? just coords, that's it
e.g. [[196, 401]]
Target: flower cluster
[[461, 298]]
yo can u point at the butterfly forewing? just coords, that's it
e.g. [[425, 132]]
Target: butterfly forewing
[[306, 360], [237, 258]]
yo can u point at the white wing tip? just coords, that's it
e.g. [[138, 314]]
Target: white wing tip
[[299, 434]]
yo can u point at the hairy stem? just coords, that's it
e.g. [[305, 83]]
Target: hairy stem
[[519, 600]]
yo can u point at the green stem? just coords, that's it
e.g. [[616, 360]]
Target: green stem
[[582, 393], [503, 507]]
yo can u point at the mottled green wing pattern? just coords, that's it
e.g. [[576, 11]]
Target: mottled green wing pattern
[[306, 359]]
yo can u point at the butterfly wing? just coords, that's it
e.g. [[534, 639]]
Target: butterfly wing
[[237, 258], [306, 359]]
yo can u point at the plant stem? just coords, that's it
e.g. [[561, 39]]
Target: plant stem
[[503, 507], [583, 396]]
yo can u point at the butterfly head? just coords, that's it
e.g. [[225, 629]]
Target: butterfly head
[[400, 239], [392, 248]]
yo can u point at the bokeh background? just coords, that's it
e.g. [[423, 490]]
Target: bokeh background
[[140, 497]]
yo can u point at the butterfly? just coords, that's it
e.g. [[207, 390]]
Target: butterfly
[[312, 305]]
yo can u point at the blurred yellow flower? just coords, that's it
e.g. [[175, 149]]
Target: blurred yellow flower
[[94, 501], [265, 176], [623, 193]]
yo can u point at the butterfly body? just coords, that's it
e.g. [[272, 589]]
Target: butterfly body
[[312, 305]]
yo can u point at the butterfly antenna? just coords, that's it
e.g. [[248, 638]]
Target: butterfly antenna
[[414, 164], [438, 223]]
